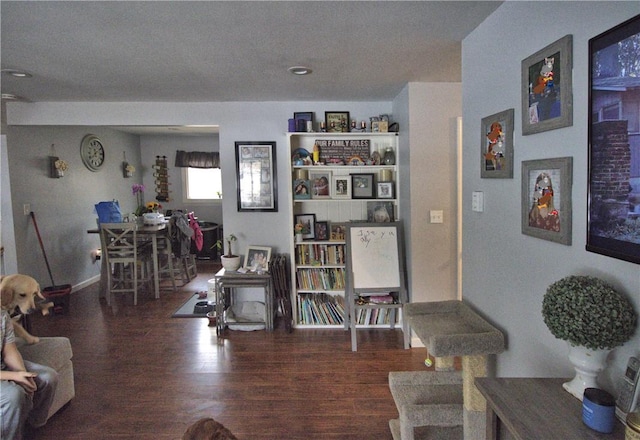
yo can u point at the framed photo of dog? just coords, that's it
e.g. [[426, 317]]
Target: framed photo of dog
[[496, 146]]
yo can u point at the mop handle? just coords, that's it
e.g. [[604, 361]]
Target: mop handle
[[33, 217]]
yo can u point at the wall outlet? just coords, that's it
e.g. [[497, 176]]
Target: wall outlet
[[436, 216], [27, 208]]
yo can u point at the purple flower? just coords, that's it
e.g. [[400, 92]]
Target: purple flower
[[137, 188]]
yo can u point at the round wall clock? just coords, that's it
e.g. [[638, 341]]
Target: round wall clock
[[92, 152]]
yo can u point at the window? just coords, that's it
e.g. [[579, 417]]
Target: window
[[202, 184]]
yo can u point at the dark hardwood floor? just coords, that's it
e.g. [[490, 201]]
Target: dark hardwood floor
[[140, 374]]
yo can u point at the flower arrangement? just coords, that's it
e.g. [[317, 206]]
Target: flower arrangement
[[586, 311], [138, 190], [153, 206], [298, 228], [61, 165], [130, 168]]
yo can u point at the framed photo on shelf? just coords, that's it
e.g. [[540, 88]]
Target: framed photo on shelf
[[303, 116], [256, 176], [257, 258], [322, 231], [547, 98], [613, 216], [337, 231], [496, 146], [385, 190], [320, 184], [341, 187], [380, 212], [362, 186], [308, 222], [546, 199], [337, 122], [301, 189]]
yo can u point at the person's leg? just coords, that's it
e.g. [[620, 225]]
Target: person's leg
[[47, 381], [15, 405]]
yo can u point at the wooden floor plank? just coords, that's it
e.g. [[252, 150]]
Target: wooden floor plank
[[141, 374]]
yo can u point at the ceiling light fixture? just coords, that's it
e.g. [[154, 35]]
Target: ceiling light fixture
[[17, 73], [300, 70], [12, 97]]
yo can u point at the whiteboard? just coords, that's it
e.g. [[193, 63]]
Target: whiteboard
[[375, 256]]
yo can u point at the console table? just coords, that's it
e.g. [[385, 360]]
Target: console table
[[535, 408], [225, 284]]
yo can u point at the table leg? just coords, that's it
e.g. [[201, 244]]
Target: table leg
[[492, 424], [156, 276]]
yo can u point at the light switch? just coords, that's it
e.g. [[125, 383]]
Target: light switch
[[477, 201], [436, 216]]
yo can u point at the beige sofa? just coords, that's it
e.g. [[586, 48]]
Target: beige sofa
[[54, 352]]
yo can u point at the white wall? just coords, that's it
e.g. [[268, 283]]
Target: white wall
[[505, 272]]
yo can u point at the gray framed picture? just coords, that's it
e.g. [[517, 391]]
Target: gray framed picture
[[546, 199], [496, 146], [547, 99]]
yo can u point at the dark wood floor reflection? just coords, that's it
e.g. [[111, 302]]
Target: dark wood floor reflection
[[141, 374]]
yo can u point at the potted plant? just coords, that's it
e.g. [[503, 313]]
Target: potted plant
[[593, 318], [229, 260]]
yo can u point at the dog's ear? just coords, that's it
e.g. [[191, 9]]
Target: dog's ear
[[39, 292], [6, 293]]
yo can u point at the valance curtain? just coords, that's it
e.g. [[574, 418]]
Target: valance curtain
[[197, 159]]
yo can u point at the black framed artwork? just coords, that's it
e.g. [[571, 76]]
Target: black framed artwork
[[256, 176], [613, 213]]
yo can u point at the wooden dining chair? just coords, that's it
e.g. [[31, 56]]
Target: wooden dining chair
[[127, 259]]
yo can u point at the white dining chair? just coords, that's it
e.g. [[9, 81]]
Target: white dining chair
[[127, 258]]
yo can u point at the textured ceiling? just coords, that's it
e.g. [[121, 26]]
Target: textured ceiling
[[182, 51]]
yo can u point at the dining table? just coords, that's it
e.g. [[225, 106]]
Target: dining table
[[147, 232]]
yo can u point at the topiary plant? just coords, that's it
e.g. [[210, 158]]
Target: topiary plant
[[587, 311]]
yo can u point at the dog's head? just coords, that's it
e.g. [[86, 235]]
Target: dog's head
[[19, 293]]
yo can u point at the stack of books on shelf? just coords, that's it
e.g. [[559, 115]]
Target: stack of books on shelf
[[325, 254], [320, 279], [375, 316], [320, 309]]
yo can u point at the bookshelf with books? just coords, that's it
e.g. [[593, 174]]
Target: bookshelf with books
[[336, 178]]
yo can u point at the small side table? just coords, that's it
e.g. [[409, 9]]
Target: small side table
[[536, 409], [225, 284]]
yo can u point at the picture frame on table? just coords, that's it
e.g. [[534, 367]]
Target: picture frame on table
[[337, 231], [341, 187], [613, 214], [362, 186], [322, 231], [257, 258], [547, 96], [546, 199], [336, 122], [320, 184], [255, 162], [301, 189], [308, 222], [306, 117], [380, 212], [496, 145], [386, 190]]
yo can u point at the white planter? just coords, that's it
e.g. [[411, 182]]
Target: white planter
[[587, 363], [230, 263]]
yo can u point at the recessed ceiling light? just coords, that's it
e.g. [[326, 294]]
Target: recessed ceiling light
[[17, 73], [12, 97], [300, 70]]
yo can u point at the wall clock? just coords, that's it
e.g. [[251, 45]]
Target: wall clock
[[92, 152]]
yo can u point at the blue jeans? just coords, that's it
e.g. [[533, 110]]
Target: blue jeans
[[17, 406]]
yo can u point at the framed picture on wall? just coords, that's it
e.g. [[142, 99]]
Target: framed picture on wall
[[546, 199], [547, 99], [256, 176], [496, 146], [337, 122], [613, 216]]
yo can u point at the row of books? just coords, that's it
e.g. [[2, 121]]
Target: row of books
[[314, 254], [375, 316], [320, 309], [320, 279]]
